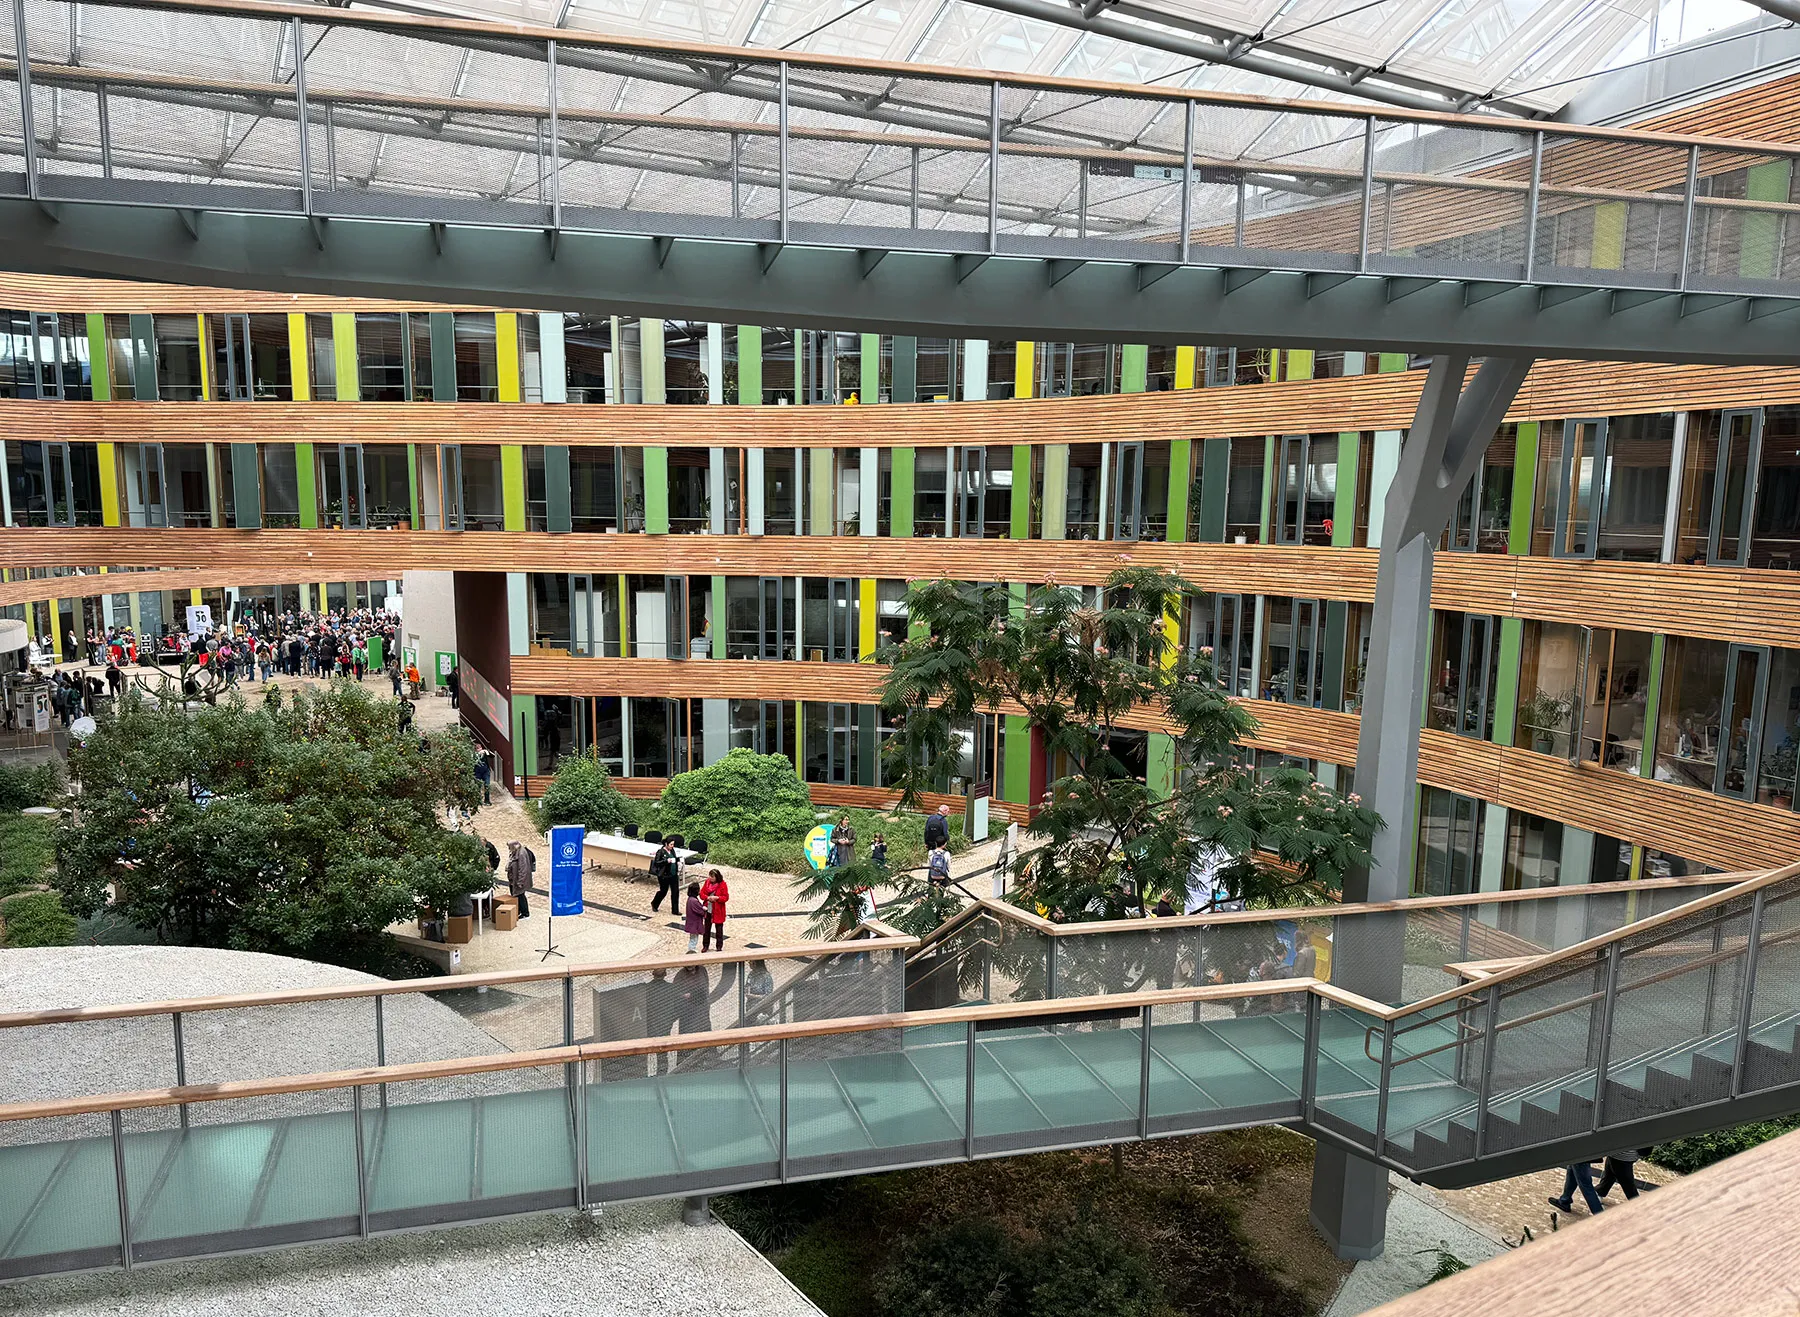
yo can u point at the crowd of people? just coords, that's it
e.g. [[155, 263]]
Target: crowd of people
[[259, 646]]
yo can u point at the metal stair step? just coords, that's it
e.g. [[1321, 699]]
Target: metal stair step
[[1769, 1067]]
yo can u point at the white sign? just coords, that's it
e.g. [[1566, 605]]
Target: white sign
[[199, 619]]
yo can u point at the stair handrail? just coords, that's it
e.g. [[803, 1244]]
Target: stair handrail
[[1466, 995]]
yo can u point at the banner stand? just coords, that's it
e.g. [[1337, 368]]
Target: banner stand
[[565, 881]]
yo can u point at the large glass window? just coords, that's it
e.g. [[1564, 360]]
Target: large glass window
[[251, 357], [830, 616], [760, 617], [1692, 719], [684, 361], [1449, 861], [473, 496], [587, 345], [1778, 733], [53, 484], [1082, 508], [931, 491], [385, 357], [778, 367], [477, 357], [782, 468], [1583, 694], [280, 486], [936, 371], [1483, 514], [121, 358], [1533, 852], [1294, 636], [832, 742], [186, 485], [1465, 655], [321, 357], [1244, 491], [1159, 368], [1225, 624], [593, 488], [1775, 537], [984, 491], [1003, 366], [1634, 500], [1305, 488], [690, 496], [655, 736], [178, 370]]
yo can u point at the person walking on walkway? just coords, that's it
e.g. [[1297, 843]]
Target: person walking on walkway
[[696, 918], [1620, 1168], [665, 869], [937, 828], [520, 865], [716, 894], [1579, 1175]]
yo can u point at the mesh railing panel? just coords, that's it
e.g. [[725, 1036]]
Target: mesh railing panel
[[1773, 1052]]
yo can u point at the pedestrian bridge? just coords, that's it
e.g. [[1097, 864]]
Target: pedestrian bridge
[[325, 149], [1613, 1015]]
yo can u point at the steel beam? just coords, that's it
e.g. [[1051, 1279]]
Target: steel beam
[[908, 293]]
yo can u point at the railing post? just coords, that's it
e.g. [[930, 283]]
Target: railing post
[[994, 166], [1688, 203], [1049, 966], [1752, 950], [180, 1063], [1081, 202], [117, 1119], [1145, 1015], [1237, 220], [555, 143], [914, 224], [22, 45], [362, 1165], [581, 1135], [106, 165], [737, 200], [969, 1095], [300, 110], [1531, 204], [1468, 916], [568, 1011], [781, 145], [1368, 192], [1490, 1035], [381, 1044], [1187, 184], [781, 1160], [1607, 1002], [1309, 1061], [1712, 975], [1381, 1095], [331, 144]]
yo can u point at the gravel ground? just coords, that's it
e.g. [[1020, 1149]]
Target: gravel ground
[[637, 1261]]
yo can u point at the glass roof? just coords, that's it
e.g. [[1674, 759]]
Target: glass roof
[[1522, 56]]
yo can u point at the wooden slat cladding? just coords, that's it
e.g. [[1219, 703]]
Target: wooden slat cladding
[[52, 292], [1362, 402], [1695, 825], [1715, 603]]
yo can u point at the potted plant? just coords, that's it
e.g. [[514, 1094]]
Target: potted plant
[[1546, 715], [1778, 769]]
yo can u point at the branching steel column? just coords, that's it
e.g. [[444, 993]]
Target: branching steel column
[[1443, 449]]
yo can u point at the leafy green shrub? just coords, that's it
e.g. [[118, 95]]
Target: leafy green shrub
[[1088, 1271], [765, 856], [772, 1219], [831, 1267], [25, 787], [969, 1269], [1699, 1151], [742, 795], [583, 793], [27, 851], [36, 919]]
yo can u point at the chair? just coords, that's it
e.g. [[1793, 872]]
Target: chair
[[630, 830], [653, 836], [679, 842], [698, 847]]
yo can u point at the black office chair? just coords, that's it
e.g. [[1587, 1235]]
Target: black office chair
[[677, 839], [698, 847], [630, 830], [654, 836]]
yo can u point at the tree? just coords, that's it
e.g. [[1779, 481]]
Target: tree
[[1083, 674], [742, 795], [837, 897], [583, 793], [303, 828]]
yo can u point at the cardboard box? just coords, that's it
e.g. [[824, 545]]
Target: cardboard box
[[506, 915], [462, 929]]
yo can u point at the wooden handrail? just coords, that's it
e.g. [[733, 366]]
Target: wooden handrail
[[397, 1074], [401, 987]]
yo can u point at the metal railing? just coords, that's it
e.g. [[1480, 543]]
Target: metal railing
[[321, 115]]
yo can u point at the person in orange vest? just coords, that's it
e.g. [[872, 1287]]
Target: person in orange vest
[[412, 679]]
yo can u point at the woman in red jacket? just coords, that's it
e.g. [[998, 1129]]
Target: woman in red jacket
[[715, 894]]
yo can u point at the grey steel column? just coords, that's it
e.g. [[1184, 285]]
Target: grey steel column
[[994, 166], [1368, 192], [914, 224], [781, 1160], [781, 145], [555, 142], [180, 1063], [1712, 970], [1608, 1000], [1687, 214], [1531, 204], [1443, 449], [1187, 183], [362, 1165], [1144, 1017], [1309, 1062], [581, 1136], [737, 202], [381, 1045], [22, 44], [1490, 1039], [1049, 965], [106, 166], [1747, 1004], [1386, 1082], [969, 1095], [301, 113]]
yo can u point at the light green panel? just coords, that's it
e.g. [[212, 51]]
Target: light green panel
[[1297, 364], [1759, 247], [307, 484], [717, 633], [900, 511], [652, 355], [1160, 754], [1017, 787], [1525, 460], [1391, 362], [524, 725], [656, 493], [512, 485], [343, 351], [1181, 479], [99, 359], [824, 488], [1506, 680], [1021, 492], [1056, 492], [1134, 368], [1268, 489], [750, 364], [1609, 235], [1652, 705], [869, 374], [412, 483], [1343, 508]]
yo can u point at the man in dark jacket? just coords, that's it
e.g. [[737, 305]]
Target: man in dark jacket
[[520, 865], [937, 828], [665, 868]]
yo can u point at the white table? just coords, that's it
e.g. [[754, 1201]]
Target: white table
[[603, 850]]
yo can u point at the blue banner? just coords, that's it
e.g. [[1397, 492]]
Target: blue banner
[[565, 869]]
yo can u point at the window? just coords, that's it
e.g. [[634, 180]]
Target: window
[[1583, 694], [531, 360], [251, 358], [1449, 857], [690, 498], [44, 354], [122, 357], [1159, 368], [984, 491], [53, 484], [593, 488], [1482, 521], [186, 485], [831, 617], [782, 468], [1465, 653], [1244, 491], [178, 368], [760, 617], [1226, 625], [1003, 367], [321, 349], [778, 367], [684, 361], [1076, 369], [1634, 495], [1775, 536], [1294, 631], [477, 357], [932, 468], [587, 348], [280, 486], [1082, 507], [1712, 721], [1305, 488], [936, 370], [473, 498], [832, 743], [384, 357]]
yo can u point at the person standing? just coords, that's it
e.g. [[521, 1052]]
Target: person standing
[[406, 716], [520, 865], [715, 893], [1620, 1168], [454, 681], [115, 678], [937, 828], [878, 853], [843, 842], [394, 674], [695, 918], [665, 869], [484, 774]]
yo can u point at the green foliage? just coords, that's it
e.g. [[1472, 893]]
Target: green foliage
[[1699, 1151], [36, 919], [583, 793], [304, 827], [1446, 1264], [1090, 1271], [830, 1267], [1078, 671], [27, 851], [742, 795], [968, 1269], [784, 856], [29, 786]]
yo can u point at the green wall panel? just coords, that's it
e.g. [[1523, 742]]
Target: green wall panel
[[343, 352], [559, 515], [656, 491], [307, 484], [1506, 680], [1268, 489], [1181, 466], [1021, 491], [1759, 249], [512, 485], [900, 511], [869, 369], [1652, 705], [245, 475], [1525, 459], [1343, 508], [99, 358], [1134, 368], [749, 338]]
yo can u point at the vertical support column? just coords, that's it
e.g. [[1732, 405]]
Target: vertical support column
[[868, 492], [653, 353], [306, 482], [553, 363]]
